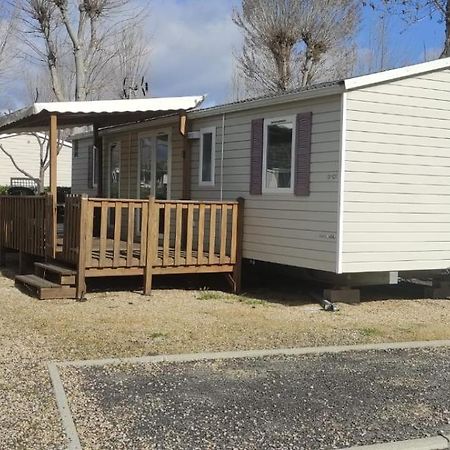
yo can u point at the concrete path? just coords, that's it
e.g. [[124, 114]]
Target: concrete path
[[293, 399]]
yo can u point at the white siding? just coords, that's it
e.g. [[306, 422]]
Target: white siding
[[397, 176], [280, 228], [25, 150]]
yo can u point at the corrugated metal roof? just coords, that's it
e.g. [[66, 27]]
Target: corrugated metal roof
[[100, 113], [276, 95]]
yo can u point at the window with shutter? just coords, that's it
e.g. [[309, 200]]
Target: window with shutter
[[303, 153], [278, 155]]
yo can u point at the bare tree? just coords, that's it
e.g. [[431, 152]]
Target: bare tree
[[76, 40], [413, 11], [43, 143], [8, 22], [287, 42]]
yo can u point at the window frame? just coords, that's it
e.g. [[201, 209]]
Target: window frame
[[95, 160], [203, 131], [119, 149], [271, 121], [75, 148]]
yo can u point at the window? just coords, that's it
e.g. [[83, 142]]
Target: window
[[75, 149], [207, 156], [93, 166], [95, 161], [278, 155]]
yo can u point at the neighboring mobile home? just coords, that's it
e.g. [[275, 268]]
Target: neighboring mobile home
[[25, 150], [349, 177]]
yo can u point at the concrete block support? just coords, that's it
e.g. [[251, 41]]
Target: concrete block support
[[350, 296]]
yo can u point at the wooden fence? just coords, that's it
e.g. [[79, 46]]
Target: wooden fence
[[26, 224]]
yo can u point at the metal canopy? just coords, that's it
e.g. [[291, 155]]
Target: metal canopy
[[101, 113]]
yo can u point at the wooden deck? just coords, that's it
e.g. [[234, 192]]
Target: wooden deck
[[120, 237]]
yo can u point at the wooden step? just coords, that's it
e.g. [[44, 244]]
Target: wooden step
[[45, 289], [57, 273]]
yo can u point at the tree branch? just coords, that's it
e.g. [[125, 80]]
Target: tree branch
[[24, 172]]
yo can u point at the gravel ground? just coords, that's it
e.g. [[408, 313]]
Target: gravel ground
[[297, 402], [120, 324]]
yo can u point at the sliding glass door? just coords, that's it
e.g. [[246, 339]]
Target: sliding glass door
[[154, 163]]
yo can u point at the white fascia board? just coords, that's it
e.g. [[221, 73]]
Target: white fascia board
[[395, 74]]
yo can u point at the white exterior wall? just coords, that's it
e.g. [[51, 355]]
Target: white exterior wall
[[280, 228], [25, 150], [397, 176]]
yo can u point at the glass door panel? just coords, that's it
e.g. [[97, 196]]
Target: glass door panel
[[145, 164], [162, 167], [114, 172]]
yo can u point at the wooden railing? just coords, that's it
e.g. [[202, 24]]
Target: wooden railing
[[158, 236], [26, 224], [71, 236]]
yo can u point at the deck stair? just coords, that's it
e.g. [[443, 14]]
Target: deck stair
[[50, 281]]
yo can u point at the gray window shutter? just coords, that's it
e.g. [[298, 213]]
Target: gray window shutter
[[303, 153], [256, 156], [90, 168]]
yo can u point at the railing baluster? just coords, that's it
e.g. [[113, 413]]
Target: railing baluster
[[212, 234], [201, 233], [189, 234], [130, 235], [178, 233], [89, 232], [103, 233], [144, 225], [117, 233], [166, 239], [224, 234]]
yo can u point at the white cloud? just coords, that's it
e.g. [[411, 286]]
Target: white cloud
[[192, 43]]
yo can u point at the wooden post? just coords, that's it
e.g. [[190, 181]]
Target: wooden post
[[81, 263], [50, 227], [237, 270], [53, 178], [152, 244], [186, 195]]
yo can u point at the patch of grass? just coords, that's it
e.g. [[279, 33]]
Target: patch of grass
[[370, 332], [211, 295], [231, 298], [157, 335], [251, 301]]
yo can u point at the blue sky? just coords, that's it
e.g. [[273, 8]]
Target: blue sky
[[192, 43]]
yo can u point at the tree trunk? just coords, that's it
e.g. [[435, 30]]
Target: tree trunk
[[446, 51]]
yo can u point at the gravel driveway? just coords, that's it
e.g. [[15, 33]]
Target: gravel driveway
[[290, 402]]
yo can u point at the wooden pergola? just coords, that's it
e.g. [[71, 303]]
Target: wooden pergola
[[50, 117]]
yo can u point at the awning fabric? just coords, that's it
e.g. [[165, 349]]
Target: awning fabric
[[101, 113]]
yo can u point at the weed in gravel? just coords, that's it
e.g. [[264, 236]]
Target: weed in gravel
[[370, 332], [158, 335], [230, 298]]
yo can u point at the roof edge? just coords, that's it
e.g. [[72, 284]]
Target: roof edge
[[395, 74], [335, 89]]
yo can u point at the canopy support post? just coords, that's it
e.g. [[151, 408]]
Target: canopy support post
[[53, 136], [186, 194]]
